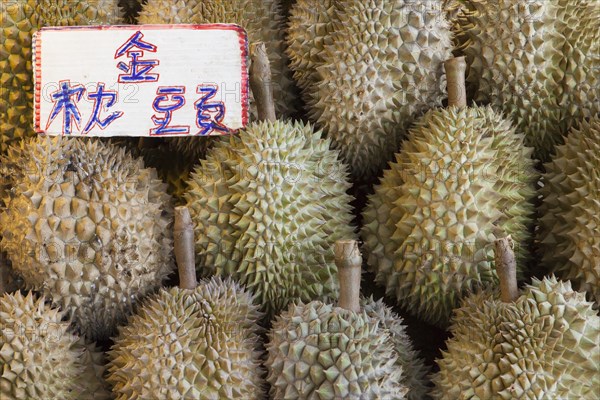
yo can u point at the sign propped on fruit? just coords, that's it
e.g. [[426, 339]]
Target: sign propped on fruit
[[148, 80]]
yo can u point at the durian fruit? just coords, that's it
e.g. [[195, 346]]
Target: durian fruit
[[40, 358], [462, 177], [536, 61], [267, 205], [569, 232], [190, 342], [540, 344], [18, 21], [309, 31], [382, 69], [87, 225], [262, 19], [413, 367], [323, 351]]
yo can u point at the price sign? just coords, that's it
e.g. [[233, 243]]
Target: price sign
[[147, 80]]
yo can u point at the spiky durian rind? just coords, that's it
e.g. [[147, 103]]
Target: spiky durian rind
[[18, 21], [268, 204], [536, 61], [413, 367], [462, 177], [190, 344], [319, 351], [569, 232], [382, 69], [542, 346], [40, 358], [87, 225]]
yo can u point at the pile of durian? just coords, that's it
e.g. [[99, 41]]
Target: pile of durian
[[444, 155]]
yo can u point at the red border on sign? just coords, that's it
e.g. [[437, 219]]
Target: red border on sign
[[242, 36]]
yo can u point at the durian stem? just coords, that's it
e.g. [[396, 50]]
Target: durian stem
[[455, 81], [348, 261], [506, 267], [184, 248], [261, 84]]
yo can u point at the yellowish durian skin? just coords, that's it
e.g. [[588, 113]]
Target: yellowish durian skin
[[309, 31], [40, 358], [319, 351], [382, 70], [267, 205], [413, 367], [536, 61], [262, 19], [87, 225], [545, 345], [463, 177], [195, 344], [569, 232], [19, 20]]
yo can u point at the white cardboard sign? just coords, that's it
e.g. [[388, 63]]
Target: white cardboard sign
[[146, 80]]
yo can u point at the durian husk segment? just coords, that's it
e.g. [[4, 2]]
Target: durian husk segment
[[19, 20], [190, 344], [382, 69], [88, 226], [309, 28], [569, 232], [462, 178], [263, 21], [542, 346], [414, 375], [535, 60], [319, 351], [267, 205], [40, 358]]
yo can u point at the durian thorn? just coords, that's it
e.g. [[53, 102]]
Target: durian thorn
[[506, 267], [455, 81], [260, 82], [183, 237], [348, 261]]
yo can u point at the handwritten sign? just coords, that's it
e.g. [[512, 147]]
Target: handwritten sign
[[147, 80]]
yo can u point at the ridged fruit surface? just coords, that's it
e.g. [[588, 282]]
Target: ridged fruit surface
[[463, 177]]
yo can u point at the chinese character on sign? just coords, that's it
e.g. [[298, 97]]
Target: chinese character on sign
[[63, 102], [209, 115], [98, 97], [137, 70], [168, 100]]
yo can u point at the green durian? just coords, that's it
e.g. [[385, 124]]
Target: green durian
[[19, 20], [536, 61], [463, 177], [320, 351], [267, 205], [262, 19], [41, 359], [87, 225], [381, 70], [309, 29], [356, 350], [569, 233], [414, 370], [190, 344], [544, 345]]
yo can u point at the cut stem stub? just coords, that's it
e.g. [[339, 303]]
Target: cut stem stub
[[260, 82], [348, 261], [183, 235], [506, 267], [455, 81]]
